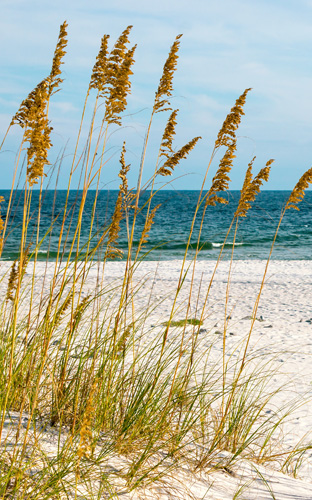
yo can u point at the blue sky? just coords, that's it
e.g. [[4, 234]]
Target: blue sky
[[227, 46]]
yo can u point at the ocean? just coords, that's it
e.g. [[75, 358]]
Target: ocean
[[172, 223]]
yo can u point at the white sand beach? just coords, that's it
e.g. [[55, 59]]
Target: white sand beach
[[282, 330]]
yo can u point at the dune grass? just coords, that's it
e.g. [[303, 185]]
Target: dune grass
[[94, 401]]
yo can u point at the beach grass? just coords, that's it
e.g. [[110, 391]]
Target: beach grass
[[94, 402]]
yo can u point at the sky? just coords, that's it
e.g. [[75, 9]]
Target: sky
[[227, 46]]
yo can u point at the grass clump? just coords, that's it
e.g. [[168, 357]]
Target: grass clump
[[184, 322], [93, 401]]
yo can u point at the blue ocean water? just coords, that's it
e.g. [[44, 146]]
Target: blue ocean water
[[172, 223]]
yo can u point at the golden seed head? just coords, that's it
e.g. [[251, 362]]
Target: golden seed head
[[85, 444], [111, 251], [226, 137], [172, 161], [40, 95], [111, 75], [165, 87], [32, 115], [251, 187], [12, 282], [147, 226], [53, 79], [168, 135], [298, 192], [99, 74], [231, 123], [126, 195], [120, 87], [26, 112], [119, 50], [221, 180]]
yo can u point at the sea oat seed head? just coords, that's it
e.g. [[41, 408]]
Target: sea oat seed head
[[221, 180], [168, 135], [127, 196], [59, 53], [165, 87], [111, 251], [99, 77], [147, 226], [168, 167], [117, 99], [232, 121], [298, 192], [85, 444], [251, 187], [12, 282], [226, 137]]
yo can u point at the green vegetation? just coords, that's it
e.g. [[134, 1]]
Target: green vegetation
[[184, 322], [93, 401]]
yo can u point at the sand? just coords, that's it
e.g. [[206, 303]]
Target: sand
[[282, 329]]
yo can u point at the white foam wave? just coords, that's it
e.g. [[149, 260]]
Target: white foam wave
[[218, 245]]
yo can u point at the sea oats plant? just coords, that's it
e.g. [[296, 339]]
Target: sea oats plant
[[93, 400]]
